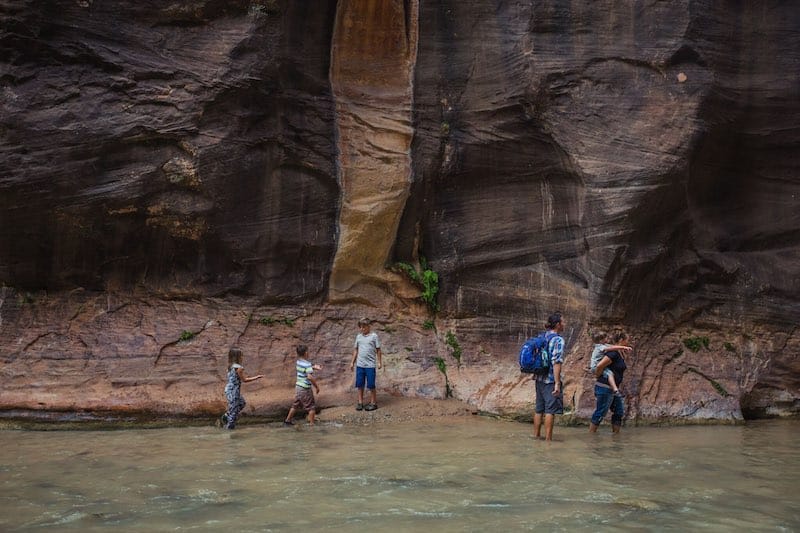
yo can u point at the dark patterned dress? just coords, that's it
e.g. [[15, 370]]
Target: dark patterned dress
[[233, 393]]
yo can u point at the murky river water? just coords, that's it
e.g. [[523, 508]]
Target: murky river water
[[471, 474]]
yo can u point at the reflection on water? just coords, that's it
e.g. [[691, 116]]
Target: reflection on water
[[468, 474]]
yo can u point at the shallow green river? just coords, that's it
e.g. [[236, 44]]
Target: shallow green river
[[470, 474]]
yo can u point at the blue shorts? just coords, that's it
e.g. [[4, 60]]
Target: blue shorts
[[547, 402], [365, 374]]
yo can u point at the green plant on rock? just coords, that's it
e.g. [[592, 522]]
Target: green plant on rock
[[428, 324], [714, 383], [442, 366], [271, 321], [452, 342], [426, 279], [695, 343], [430, 288], [408, 270], [186, 335], [729, 347]]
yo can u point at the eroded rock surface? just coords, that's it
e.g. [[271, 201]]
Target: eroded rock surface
[[244, 172], [373, 54]]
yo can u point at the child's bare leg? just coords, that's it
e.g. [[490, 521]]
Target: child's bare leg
[[361, 395], [290, 415], [373, 394], [311, 416], [613, 383]]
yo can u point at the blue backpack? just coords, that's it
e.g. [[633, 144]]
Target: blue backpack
[[534, 356]]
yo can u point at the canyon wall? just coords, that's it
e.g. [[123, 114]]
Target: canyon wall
[[178, 179]]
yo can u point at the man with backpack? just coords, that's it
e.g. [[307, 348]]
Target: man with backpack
[[549, 397]]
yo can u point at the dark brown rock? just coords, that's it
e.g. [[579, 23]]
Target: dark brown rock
[[187, 149]]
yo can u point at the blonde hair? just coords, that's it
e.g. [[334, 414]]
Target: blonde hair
[[234, 356], [599, 336]]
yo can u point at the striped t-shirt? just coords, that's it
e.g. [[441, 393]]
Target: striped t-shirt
[[304, 369]]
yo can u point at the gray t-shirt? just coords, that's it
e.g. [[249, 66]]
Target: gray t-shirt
[[367, 349]]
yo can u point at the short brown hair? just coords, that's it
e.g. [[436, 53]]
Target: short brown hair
[[234, 356], [364, 322]]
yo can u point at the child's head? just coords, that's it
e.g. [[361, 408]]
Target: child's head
[[301, 350], [363, 325], [234, 356], [599, 337]]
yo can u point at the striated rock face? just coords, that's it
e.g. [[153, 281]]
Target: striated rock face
[[186, 148], [373, 53], [247, 171]]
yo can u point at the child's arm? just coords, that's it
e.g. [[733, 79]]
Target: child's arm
[[313, 381], [244, 379], [617, 348], [380, 357], [355, 355]]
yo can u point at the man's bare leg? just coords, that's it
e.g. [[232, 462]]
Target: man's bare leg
[[537, 425], [548, 427]]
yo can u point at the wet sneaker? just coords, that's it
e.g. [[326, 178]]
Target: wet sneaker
[[288, 423], [359, 407], [370, 407], [224, 419]]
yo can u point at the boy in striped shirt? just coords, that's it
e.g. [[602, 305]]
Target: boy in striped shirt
[[303, 396]]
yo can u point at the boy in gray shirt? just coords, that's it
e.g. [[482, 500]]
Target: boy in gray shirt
[[366, 356]]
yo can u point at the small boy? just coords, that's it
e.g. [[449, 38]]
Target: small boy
[[303, 397], [366, 351], [600, 348]]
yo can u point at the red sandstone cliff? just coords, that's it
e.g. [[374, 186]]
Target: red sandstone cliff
[[246, 172]]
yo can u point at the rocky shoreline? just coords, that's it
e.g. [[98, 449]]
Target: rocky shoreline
[[391, 410]]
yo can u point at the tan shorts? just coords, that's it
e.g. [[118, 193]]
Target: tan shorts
[[303, 398]]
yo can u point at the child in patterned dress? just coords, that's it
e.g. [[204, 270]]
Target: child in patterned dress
[[233, 390]]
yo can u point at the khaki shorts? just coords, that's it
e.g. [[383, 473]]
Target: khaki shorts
[[304, 398]]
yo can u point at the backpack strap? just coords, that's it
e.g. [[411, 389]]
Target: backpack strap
[[549, 336]]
